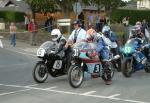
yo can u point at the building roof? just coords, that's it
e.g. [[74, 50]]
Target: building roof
[[14, 5]]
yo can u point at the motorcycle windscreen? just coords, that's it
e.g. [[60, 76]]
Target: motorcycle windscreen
[[48, 45], [131, 45]]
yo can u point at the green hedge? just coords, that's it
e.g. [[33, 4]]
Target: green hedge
[[12, 16], [134, 15]]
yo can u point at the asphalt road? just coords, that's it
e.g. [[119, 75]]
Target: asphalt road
[[18, 86]]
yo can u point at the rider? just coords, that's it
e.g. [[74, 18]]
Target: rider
[[113, 38], [137, 32], [77, 35], [103, 50], [92, 35], [58, 38]]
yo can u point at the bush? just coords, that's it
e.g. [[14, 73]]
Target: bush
[[12, 16], [134, 15]]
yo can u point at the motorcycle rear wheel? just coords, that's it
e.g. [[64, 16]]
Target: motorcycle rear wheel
[[75, 76], [40, 73]]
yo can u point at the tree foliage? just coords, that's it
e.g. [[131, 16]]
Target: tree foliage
[[41, 6]]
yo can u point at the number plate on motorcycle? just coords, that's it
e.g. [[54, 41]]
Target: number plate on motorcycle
[[40, 52], [57, 64], [76, 52]]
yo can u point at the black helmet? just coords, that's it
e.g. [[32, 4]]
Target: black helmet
[[77, 22]]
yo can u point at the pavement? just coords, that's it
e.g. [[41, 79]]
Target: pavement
[[20, 45]]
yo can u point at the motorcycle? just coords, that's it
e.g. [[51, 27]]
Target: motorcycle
[[51, 62], [86, 60], [134, 58]]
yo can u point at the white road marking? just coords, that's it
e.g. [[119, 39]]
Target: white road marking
[[32, 85], [88, 93], [50, 88], [14, 92], [112, 96], [73, 93]]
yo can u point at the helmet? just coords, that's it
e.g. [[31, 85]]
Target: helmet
[[136, 30], [106, 31], [77, 22], [138, 23], [90, 34], [56, 34]]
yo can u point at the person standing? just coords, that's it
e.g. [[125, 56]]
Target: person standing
[[1, 44], [98, 22], [48, 24], [33, 28], [90, 18], [81, 18], [13, 29], [26, 21]]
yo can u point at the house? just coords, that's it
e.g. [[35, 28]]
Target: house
[[143, 4], [20, 6], [139, 4]]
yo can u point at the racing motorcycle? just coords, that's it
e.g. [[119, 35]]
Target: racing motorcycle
[[134, 57], [51, 62], [86, 60]]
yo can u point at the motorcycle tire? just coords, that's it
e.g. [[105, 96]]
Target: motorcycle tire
[[40, 73], [117, 65], [147, 68], [127, 68], [75, 76], [111, 71]]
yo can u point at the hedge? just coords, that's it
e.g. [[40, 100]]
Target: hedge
[[134, 15], [12, 16]]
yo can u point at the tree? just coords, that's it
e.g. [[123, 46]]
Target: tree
[[66, 6], [41, 6], [110, 5]]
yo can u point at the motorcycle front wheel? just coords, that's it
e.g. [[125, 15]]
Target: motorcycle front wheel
[[40, 73], [75, 76], [109, 68], [127, 67], [147, 67]]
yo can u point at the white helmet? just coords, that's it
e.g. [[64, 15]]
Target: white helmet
[[106, 31], [105, 28], [56, 34]]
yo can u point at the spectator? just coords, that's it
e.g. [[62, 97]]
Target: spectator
[[48, 24], [125, 21], [13, 29], [90, 18], [102, 22], [98, 22], [1, 44], [81, 18], [33, 28], [26, 21]]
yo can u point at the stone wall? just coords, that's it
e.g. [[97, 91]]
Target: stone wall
[[25, 37]]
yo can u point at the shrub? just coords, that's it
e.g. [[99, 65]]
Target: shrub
[[12, 16], [134, 15]]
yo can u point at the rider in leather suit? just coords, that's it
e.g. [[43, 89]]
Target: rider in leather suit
[[59, 39]]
